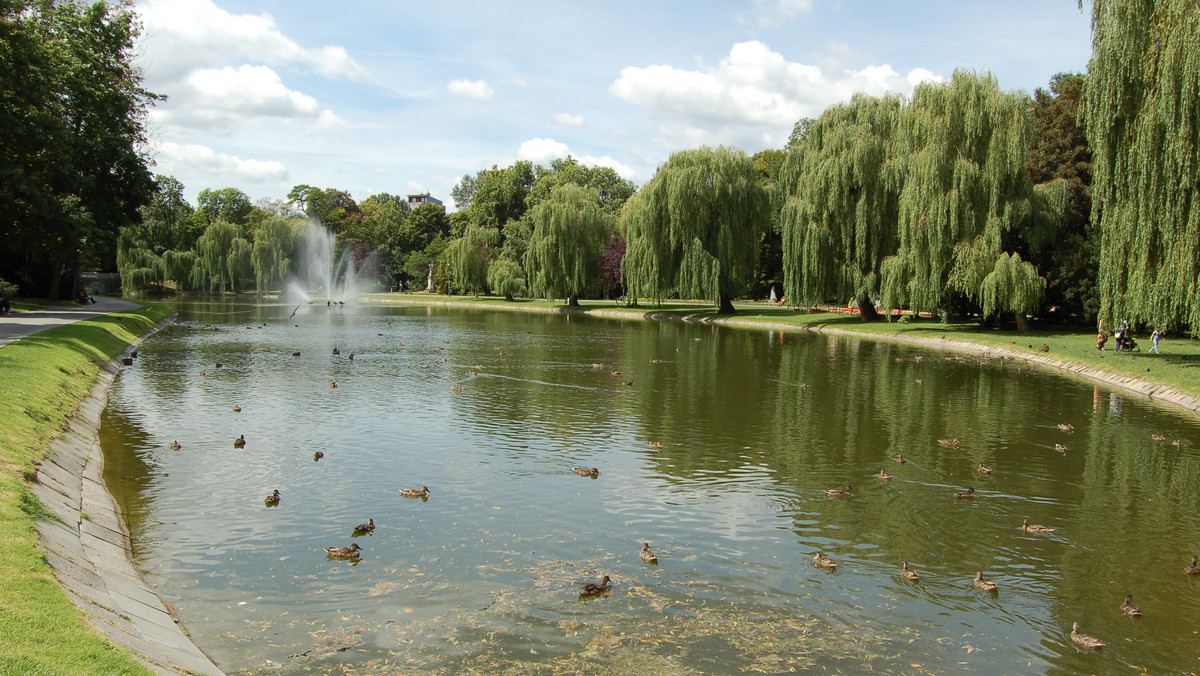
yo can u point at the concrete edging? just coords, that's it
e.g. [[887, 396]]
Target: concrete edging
[[89, 548]]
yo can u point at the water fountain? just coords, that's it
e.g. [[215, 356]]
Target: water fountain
[[323, 271]]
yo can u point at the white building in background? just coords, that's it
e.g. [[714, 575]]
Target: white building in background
[[415, 201]]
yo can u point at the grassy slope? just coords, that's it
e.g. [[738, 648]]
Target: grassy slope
[[42, 380], [1076, 346]]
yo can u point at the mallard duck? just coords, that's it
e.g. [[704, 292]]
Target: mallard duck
[[985, 585], [597, 365], [901, 459], [272, 499], [220, 365], [656, 445], [175, 446], [351, 552], [952, 443], [365, 528], [1178, 442], [1060, 448], [983, 469], [1129, 609], [1066, 428], [821, 561], [204, 374], [614, 373], [1192, 569], [655, 361], [240, 442], [884, 476], [966, 495], [333, 384], [596, 589], [295, 354], [1086, 640], [471, 373], [586, 471], [423, 492], [647, 555], [336, 351], [318, 455], [456, 388], [237, 409], [351, 357], [907, 574], [1036, 528], [627, 383], [838, 492]]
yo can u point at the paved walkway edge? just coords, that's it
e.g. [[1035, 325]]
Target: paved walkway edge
[[1160, 394], [89, 546]]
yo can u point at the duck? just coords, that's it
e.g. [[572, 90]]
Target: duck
[[597, 365], [365, 528], [1086, 640], [423, 492], [952, 443], [627, 383], [1192, 569], [456, 388], [1158, 437], [596, 588], [907, 574], [351, 356], [1066, 428], [586, 471], [1060, 448], [336, 351], [655, 361], [901, 459], [647, 555], [237, 409], [821, 561], [614, 373], [1129, 609], [220, 365], [351, 552], [204, 374], [472, 373], [318, 455], [884, 476], [983, 469], [656, 445], [295, 354], [1178, 442], [175, 446], [1036, 528], [333, 384], [985, 585], [967, 494], [272, 499], [838, 492], [240, 442]]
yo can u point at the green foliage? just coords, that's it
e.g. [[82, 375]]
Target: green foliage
[[8, 289], [696, 224], [273, 250], [212, 271], [139, 267], [225, 204], [1143, 123], [178, 266], [500, 194], [611, 189], [425, 269], [506, 277], [469, 256], [570, 229]]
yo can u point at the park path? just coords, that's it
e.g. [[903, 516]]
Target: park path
[[20, 325]]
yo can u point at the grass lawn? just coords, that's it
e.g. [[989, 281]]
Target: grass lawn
[[1177, 367], [42, 380]]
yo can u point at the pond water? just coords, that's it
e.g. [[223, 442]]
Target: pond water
[[754, 425]]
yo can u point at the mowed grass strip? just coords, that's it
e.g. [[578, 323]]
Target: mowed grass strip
[[42, 380], [1178, 367]]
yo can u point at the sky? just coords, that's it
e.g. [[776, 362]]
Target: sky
[[406, 97]]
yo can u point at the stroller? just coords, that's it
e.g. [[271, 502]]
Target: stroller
[[1127, 343]]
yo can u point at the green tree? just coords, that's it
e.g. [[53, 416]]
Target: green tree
[[224, 204], [167, 217], [463, 192], [505, 276], [273, 250], [611, 188], [469, 257], [500, 194], [1143, 123], [696, 225], [570, 229], [212, 270], [839, 217]]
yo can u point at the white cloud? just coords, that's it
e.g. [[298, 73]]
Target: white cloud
[[190, 159], [776, 12], [752, 98], [567, 119], [542, 150], [181, 35], [415, 188], [474, 89], [623, 170]]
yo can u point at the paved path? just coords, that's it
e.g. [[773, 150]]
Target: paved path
[[16, 327]]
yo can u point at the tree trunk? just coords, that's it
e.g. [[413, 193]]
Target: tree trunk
[[509, 298], [725, 305], [573, 301], [1022, 323], [55, 280], [866, 310]]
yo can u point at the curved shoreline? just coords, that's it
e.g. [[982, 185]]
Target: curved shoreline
[[88, 546], [1161, 394]]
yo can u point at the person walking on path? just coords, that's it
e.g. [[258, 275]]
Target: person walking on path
[[1154, 338]]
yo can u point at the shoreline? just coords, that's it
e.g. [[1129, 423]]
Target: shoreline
[[1160, 394]]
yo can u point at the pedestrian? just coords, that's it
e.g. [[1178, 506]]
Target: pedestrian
[[1154, 338], [1101, 339], [1119, 334]]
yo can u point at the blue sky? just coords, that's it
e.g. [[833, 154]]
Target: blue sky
[[406, 97]]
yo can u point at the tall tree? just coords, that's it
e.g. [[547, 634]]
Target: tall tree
[[167, 217], [273, 250], [696, 225], [963, 146], [570, 229], [500, 194], [839, 218], [224, 204], [469, 257], [1143, 122]]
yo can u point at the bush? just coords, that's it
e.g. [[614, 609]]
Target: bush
[[8, 289]]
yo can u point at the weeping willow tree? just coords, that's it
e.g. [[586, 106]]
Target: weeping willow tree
[[505, 276], [138, 266], [696, 226], [211, 271], [239, 264], [1143, 124], [470, 255], [839, 218], [961, 147], [177, 267], [570, 229], [275, 243]]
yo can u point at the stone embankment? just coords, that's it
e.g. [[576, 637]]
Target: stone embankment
[[88, 546]]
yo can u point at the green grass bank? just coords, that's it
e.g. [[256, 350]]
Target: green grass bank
[[1177, 368], [43, 378]]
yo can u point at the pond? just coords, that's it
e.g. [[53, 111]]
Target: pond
[[493, 410]]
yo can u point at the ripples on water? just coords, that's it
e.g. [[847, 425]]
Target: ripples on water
[[754, 426]]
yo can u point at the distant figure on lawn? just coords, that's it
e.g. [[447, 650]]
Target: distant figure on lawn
[[1154, 338]]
